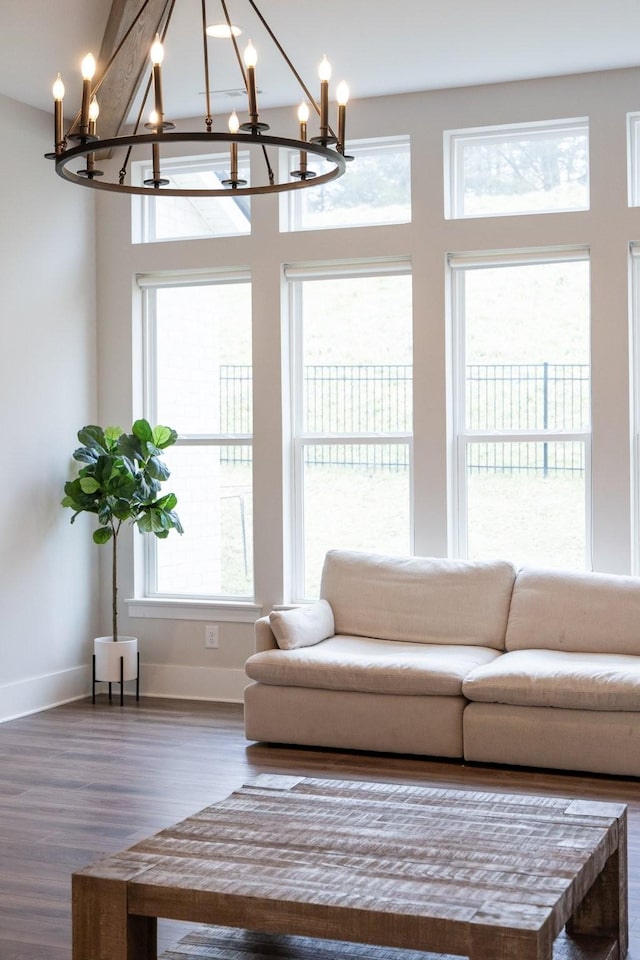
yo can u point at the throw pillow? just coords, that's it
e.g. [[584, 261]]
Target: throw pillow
[[303, 626]]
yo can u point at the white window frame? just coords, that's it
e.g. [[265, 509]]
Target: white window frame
[[460, 436], [148, 601], [634, 334], [454, 141], [633, 159], [295, 275]]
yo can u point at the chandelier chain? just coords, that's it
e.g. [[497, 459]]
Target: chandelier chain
[[207, 91]]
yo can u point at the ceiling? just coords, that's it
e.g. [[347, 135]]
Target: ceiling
[[377, 47]]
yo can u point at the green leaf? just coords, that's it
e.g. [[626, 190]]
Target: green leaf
[[146, 489], [85, 455], [168, 502], [102, 535], [157, 469], [152, 450], [93, 437], [164, 436], [89, 485], [130, 448], [142, 430], [145, 523], [175, 521], [112, 435], [104, 513]]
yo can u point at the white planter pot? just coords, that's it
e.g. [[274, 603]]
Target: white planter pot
[[108, 656]]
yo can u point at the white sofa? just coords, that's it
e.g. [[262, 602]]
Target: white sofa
[[455, 659]]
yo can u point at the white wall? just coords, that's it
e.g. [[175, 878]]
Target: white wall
[[48, 583], [175, 662]]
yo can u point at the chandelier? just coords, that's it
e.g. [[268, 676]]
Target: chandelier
[[80, 150]]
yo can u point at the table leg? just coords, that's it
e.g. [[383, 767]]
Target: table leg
[[102, 927], [603, 911]]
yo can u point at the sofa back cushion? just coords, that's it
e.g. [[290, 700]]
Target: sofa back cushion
[[577, 612], [417, 599]]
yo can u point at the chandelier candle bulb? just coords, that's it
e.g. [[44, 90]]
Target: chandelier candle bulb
[[234, 126], [324, 71], [342, 96], [90, 172], [58, 122], [94, 112], [303, 116], [88, 69], [250, 60], [234, 180], [155, 153], [157, 56]]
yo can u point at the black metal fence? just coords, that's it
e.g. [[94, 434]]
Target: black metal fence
[[377, 398], [528, 396]]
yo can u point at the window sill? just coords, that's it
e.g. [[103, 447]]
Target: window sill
[[182, 609]]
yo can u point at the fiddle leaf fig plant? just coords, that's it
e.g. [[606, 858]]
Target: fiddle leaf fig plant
[[120, 482]]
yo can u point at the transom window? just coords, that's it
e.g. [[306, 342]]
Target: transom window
[[188, 218], [376, 189], [524, 168]]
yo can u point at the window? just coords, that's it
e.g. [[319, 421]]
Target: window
[[635, 426], [633, 154], [509, 170], [375, 189], [183, 218], [352, 413], [522, 408], [198, 373]]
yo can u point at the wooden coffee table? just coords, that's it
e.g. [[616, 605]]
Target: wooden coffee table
[[481, 875]]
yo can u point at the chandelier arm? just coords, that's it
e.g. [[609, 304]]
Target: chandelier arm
[[123, 169], [235, 45], [207, 92], [287, 60], [270, 172]]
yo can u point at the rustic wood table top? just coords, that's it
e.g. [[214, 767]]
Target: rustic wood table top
[[482, 875]]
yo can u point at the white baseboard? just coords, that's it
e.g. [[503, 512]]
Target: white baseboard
[[192, 683], [40, 693], [156, 680]]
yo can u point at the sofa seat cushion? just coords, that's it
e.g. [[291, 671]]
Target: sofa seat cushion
[[552, 678], [368, 665]]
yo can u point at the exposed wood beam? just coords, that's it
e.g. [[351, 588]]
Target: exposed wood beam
[[120, 85]]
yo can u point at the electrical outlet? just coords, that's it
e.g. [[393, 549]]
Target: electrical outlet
[[211, 636]]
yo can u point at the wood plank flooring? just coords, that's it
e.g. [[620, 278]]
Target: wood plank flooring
[[81, 781]]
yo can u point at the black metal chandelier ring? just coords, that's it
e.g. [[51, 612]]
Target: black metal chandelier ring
[[88, 148]]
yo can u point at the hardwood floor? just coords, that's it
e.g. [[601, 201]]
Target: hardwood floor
[[82, 781]]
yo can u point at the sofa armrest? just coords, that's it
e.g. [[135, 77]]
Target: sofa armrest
[[264, 637]]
